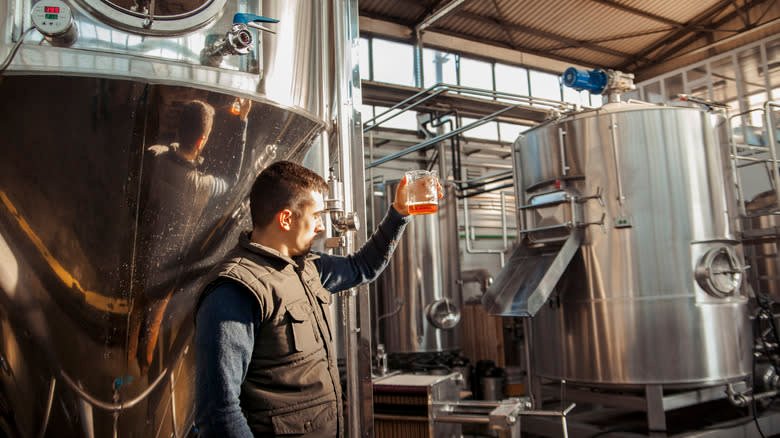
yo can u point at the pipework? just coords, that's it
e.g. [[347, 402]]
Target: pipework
[[237, 41]]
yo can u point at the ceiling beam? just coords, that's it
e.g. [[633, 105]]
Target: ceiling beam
[[633, 61], [544, 34], [640, 12], [509, 37], [616, 38], [552, 58], [432, 6], [471, 46], [522, 29], [693, 37], [438, 15]]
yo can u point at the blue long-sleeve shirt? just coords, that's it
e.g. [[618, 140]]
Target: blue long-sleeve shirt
[[229, 316]]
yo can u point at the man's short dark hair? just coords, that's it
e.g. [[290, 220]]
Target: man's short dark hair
[[281, 185], [195, 121]]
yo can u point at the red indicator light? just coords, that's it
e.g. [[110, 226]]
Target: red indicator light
[[51, 9]]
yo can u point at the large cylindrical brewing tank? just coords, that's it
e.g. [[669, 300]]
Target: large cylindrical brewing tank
[[652, 296], [418, 294], [106, 231]]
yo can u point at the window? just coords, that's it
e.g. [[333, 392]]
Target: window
[[512, 79], [476, 74], [366, 112], [674, 87], [773, 66], [653, 92], [724, 83], [545, 85], [365, 59], [510, 131], [488, 131], [571, 95], [393, 62], [439, 66], [406, 120]]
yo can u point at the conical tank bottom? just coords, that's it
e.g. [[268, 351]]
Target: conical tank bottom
[[114, 204]]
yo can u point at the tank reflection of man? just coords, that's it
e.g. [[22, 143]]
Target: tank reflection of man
[[176, 194], [265, 361]]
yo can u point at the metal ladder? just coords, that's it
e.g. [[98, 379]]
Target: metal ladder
[[745, 155]]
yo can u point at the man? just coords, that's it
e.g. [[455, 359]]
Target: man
[[266, 364], [175, 195]]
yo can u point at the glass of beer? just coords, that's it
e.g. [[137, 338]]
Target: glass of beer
[[422, 195]]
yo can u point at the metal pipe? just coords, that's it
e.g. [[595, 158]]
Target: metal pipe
[[13, 51], [503, 176], [350, 156], [373, 123], [432, 141], [480, 192], [462, 419], [742, 399], [469, 248], [112, 407], [443, 11], [613, 127], [47, 412], [503, 221], [440, 88], [173, 406], [528, 369], [770, 135], [482, 178], [418, 62], [562, 146]]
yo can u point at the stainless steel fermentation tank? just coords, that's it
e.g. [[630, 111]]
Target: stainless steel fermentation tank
[[629, 264], [418, 295], [101, 252]]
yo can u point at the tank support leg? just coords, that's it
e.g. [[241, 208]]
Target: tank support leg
[[656, 416]]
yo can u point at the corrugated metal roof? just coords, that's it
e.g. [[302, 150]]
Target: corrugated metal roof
[[628, 34]]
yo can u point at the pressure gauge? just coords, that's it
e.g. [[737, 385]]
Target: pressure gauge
[[54, 20]]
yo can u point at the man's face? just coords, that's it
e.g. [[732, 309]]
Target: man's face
[[307, 224]]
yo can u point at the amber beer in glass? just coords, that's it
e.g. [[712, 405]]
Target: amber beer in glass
[[422, 195]]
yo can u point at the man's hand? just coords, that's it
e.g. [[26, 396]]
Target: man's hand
[[401, 196], [246, 105]]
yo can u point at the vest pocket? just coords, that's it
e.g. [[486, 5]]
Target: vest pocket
[[319, 420], [324, 297], [299, 314]]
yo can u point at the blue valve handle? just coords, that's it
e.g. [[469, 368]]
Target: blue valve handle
[[242, 18], [594, 81]]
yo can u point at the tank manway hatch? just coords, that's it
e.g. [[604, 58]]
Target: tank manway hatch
[[530, 276]]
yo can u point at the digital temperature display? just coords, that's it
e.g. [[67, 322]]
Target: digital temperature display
[[51, 9]]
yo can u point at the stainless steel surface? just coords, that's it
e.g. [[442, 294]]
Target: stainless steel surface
[[102, 253], [530, 277], [628, 311], [355, 304], [286, 68], [421, 273], [414, 399], [762, 243], [469, 230]]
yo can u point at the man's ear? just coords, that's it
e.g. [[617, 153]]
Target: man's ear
[[285, 218]]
